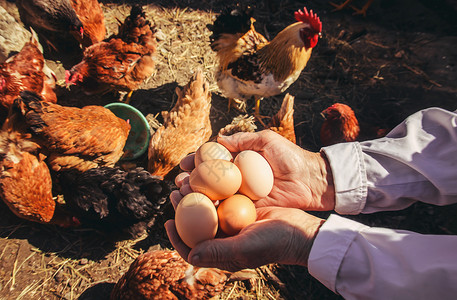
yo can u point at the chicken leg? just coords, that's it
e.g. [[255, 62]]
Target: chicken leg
[[362, 11], [238, 104], [128, 97]]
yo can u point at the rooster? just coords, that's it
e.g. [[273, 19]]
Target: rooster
[[251, 66], [26, 71], [74, 138], [25, 180], [110, 198], [91, 15], [186, 127], [122, 62], [164, 274]]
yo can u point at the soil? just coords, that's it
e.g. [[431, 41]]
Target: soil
[[397, 60]]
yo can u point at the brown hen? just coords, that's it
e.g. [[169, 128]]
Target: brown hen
[[283, 121], [164, 274], [122, 62], [50, 15], [25, 180], [185, 128], [91, 15], [340, 125], [79, 138], [26, 71]]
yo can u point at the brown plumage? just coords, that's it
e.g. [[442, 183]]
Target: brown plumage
[[80, 138], [163, 274], [249, 65], [91, 15], [283, 121], [340, 125], [26, 71], [185, 127], [122, 62], [25, 180]]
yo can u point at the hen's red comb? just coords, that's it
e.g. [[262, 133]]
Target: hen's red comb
[[310, 18]]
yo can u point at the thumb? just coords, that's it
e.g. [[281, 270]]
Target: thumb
[[241, 141], [216, 253]]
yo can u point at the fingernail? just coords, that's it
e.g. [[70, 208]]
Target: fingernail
[[195, 259]]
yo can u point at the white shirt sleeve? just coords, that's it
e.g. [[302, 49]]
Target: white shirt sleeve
[[361, 262], [416, 161]]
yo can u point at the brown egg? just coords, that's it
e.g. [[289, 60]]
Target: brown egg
[[256, 173], [235, 213], [210, 151], [218, 179], [196, 219]]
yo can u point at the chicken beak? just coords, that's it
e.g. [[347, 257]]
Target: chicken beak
[[67, 78], [324, 115]]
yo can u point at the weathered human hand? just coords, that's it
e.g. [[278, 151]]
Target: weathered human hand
[[280, 235], [302, 179]]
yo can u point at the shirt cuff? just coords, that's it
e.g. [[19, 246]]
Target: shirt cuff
[[349, 177], [329, 248]]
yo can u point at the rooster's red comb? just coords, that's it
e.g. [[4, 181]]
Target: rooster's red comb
[[310, 18]]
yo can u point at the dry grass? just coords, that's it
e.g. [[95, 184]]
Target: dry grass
[[359, 62]]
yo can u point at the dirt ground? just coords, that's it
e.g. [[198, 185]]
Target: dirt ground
[[398, 59]]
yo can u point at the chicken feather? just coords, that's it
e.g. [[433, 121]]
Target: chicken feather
[[164, 274], [122, 62], [185, 127], [26, 71], [80, 138], [249, 65], [25, 180], [91, 15], [55, 16], [110, 198], [283, 121]]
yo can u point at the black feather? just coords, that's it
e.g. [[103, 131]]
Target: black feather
[[31, 107], [110, 198], [231, 21]]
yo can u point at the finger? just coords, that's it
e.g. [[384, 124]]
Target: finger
[[175, 198], [264, 213], [215, 253], [240, 141], [175, 240], [180, 178], [185, 189], [187, 163]]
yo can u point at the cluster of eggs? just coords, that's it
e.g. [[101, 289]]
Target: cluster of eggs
[[234, 182]]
